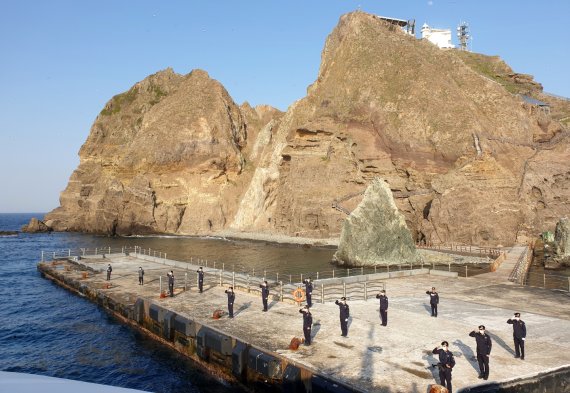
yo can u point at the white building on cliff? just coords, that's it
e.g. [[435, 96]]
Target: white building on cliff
[[439, 37]]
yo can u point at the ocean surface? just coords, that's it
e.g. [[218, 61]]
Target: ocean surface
[[47, 330]]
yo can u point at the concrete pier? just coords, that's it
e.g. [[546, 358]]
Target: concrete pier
[[252, 348]]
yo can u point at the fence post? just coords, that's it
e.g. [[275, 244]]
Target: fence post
[[83, 252], [223, 266], [164, 255], [290, 279], [361, 270], [544, 281], [365, 291], [449, 267], [347, 272], [281, 290], [465, 270], [264, 274], [317, 275], [54, 255], [277, 279], [160, 277], [323, 293], [301, 277], [221, 283], [234, 279], [344, 289], [109, 249], [69, 252], [333, 273], [185, 281], [374, 269], [43, 260], [248, 283]]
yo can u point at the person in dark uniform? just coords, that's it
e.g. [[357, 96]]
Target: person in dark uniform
[[171, 283], [383, 307], [109, 270], [519, 335], [445, 365], [307, 323], [264, 294], [200, 272], [344, 314], [141, 275], [308, 291], [483, 350], [433, 301], [231, 298]]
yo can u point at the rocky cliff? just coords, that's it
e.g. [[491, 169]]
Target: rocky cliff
[[466, 159]]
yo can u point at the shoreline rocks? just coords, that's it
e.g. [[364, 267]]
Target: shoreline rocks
[[36, 226]]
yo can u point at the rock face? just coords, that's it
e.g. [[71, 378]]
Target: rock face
[[375, 233], [466, 160], [562, 236], [36, 226]]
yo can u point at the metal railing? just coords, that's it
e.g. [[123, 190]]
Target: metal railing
[[521, 267]]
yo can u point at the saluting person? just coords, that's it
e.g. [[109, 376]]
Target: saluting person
[[344, 314], [264, 294], [200, 272], [445, 365], [308, 291], [433, 301], [519, 335], [231, 298], [141, 275], [383, 307], [109, 270], [484, 345], [307, 323]]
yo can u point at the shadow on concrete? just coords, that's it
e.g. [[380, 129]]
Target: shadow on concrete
[[502, 343], [367, 364], [427, 308], [271, 304], [432, 359], [315, 329], [243, 307], [468, 354]]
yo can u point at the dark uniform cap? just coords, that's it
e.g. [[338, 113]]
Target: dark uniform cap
[[445, 343], [482, 327], [517, 314], [342, 298]]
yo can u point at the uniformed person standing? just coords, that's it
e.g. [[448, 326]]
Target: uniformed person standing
[[519, 335], [141, 275], [231, 298], [344, 314], [307, 323], [483, 350], [264, 294], [446, 363], [383, 307], [200, 272], [308, 291], [171, 283], [433, 301], [109, 270]]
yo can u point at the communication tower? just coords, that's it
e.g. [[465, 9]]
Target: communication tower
[[463, 35]]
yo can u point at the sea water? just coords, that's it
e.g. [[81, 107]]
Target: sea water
[[47, 330]]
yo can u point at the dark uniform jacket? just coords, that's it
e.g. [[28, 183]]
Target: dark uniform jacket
[[141, 273], [264, 291], [445, 357], [170, 280], [483, 343], [433, 297], [308, 287], [307, 319], [109, 269], [344, 310], [231, 297], [200, 275], [519, 328], [383, 301]]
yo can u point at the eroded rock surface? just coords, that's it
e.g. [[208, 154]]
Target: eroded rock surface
[[375, 233], [466, 159]]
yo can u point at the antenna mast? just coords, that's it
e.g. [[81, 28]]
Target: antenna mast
[[463, 35]]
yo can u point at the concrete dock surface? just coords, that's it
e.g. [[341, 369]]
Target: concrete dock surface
[[395, 358]]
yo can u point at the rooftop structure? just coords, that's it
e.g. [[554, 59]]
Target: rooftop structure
[[439, 37]]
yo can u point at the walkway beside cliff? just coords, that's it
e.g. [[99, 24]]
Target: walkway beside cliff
[[396, 358]]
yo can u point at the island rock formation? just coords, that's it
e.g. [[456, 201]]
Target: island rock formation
[[375, 233], [36, 226], [467, 160]]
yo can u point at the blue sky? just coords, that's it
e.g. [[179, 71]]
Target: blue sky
[[62, 60]]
